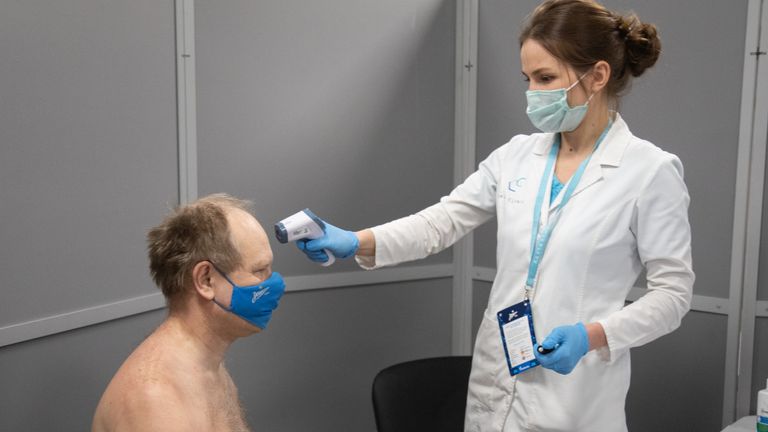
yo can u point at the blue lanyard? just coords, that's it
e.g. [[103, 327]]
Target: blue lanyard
[[539, 242]]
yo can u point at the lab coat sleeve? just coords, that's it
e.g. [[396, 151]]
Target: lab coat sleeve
[[660, 225], [441, 225]]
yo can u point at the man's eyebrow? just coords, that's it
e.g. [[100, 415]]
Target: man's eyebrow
[[259, 267]]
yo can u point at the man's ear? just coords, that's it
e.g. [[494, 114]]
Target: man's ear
[[601, 74], [202, 280]]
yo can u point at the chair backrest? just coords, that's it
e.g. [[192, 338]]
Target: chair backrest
[[422, 395]]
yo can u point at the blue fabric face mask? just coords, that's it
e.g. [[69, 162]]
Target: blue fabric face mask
[[255, 303], [548, 110]]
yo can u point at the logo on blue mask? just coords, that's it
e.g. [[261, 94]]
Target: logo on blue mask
[[255, 303]]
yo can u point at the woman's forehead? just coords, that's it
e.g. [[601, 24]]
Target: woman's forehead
[[534, 57]]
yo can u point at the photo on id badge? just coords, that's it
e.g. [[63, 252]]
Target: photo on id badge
[[518, 337]]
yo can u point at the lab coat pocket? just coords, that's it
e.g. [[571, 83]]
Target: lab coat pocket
[[489, 381]]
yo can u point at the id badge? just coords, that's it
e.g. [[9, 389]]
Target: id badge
[[517, 336]]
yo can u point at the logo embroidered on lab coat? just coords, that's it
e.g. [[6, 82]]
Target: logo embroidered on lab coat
[[517, 184]]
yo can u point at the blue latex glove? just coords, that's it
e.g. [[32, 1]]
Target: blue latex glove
[[341, 243], [570, 343]]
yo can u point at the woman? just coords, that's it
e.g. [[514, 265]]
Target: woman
[[582, 209]]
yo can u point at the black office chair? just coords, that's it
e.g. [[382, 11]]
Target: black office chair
[[422, 395]]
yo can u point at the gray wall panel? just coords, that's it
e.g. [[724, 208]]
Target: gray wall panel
[[694, 115], [345, 107], [762, 276], [311, 370], [500, 94], [677, 380], [54, 383], [87, 150], [760, 354], [759, 360], [342, 109], [762, 273], [485, 244]]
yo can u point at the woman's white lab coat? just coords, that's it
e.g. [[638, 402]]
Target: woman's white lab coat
[[628, 212]]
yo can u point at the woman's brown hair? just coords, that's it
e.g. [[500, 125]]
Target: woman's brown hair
[[581, 33]]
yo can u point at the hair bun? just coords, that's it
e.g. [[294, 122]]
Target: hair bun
[[642, 42]]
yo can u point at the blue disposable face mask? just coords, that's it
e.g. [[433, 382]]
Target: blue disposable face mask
[[255, 303], [548, 110]]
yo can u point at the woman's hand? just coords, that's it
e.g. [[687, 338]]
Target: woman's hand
[[568, 345], [341, 243]]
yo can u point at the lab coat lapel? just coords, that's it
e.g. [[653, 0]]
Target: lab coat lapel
[[592, 174], [541, 150], [609, 154]]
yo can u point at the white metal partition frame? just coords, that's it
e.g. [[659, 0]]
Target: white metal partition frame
[[746, 227], [186, 119], [758, 133], [464, 165]]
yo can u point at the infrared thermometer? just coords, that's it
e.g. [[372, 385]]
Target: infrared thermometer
[[302, 225]]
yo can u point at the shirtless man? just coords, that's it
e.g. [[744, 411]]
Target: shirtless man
[[176, 379]]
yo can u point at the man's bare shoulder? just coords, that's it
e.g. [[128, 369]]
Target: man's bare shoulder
[[149, 405], [165, 385], [145, 394]]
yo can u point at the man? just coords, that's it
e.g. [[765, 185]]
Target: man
[[213, 263]]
